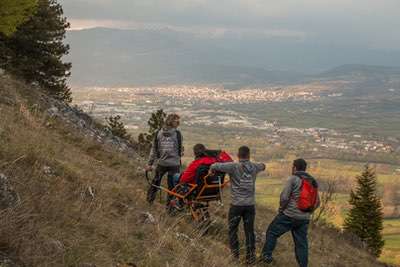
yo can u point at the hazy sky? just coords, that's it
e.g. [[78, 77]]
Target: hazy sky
[[366, 23]]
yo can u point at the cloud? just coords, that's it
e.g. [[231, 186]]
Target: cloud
[[370, 23]]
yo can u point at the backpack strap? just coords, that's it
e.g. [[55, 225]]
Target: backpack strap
[[307, 177], [179, 137], [156, 145]]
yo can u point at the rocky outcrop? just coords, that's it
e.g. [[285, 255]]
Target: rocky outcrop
[[5, 261], [87, 126], [8, 197], [55, 109]]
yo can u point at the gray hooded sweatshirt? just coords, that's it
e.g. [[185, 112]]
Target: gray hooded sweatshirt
[[243, 179], [290, 196], [166, 150]]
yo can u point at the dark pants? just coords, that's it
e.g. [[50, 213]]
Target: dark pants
[[160, 172], [247, 213], [282, 224]]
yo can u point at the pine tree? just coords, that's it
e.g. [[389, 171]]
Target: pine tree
[[117, 127], [34, 52], [365, 218], [155, 123], [13, 13]]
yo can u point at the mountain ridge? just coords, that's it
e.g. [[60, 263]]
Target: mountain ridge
[[113, 57]]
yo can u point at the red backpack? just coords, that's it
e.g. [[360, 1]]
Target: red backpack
[[308, 196]]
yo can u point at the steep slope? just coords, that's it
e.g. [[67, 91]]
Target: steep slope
[[81, 202]]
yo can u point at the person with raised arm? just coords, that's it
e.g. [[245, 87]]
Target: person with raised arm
[[243, 176]]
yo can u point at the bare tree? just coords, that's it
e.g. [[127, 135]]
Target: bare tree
[[327, 195]]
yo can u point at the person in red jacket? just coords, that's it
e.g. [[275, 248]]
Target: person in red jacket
[[201, 158]]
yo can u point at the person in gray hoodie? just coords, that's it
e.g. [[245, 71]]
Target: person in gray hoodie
[[166, 152], [242, 177], [290, 217]]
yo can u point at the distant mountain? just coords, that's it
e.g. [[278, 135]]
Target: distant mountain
[[354, 70], [365, 80], [107, 57]]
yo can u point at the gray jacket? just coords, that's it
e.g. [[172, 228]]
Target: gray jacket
[[243, 177], [290, 196], [165, 149]]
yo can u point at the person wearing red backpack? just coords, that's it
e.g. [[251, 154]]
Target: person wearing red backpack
[[298, 200]]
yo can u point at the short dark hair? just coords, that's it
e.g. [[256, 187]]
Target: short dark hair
[[300, 164], [170, 119], [244, 152], [199, 150]]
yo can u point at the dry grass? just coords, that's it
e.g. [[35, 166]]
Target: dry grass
[[82, 204]]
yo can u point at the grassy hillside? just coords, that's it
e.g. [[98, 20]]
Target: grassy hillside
[[344, 174], [83, 204]]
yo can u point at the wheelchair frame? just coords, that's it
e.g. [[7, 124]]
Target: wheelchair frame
[[198, 205]]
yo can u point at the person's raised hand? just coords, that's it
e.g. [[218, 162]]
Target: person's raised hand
[[148, 168]]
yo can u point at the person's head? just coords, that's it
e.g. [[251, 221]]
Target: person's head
[[244, 152], [172, 121], [299, 165], [199, 150]]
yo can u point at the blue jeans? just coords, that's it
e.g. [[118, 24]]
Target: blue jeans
[[171, 172], [176, 177], [282, 224]]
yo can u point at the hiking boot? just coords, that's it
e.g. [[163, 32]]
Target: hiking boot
[[251, 259], [267, 260], [151, 194]]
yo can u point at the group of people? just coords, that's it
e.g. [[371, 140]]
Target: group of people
[[298, 199]]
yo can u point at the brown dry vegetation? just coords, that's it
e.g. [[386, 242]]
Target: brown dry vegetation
[[82, 204]]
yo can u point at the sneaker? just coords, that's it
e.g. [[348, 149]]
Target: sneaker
[[176, 205], [171, 211], [179, 205]]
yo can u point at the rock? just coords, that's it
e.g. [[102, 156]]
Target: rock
[[185, 237], [7, 101], [47, 170], [129, 264], [53, 111], [86, 264], [82, 124], [5, 261], [147, 217], [87, 126], [8, 196], [56, 245], [88, 194]]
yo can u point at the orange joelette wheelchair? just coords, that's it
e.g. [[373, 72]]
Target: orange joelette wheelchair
[[197, 197]]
